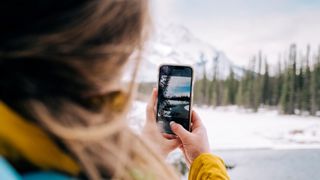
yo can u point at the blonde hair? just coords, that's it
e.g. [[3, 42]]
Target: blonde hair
[[83, 105]]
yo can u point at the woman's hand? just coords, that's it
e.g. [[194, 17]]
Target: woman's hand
[[165, 143], [195, 142]]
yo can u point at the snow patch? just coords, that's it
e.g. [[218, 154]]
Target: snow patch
[[235, 128]]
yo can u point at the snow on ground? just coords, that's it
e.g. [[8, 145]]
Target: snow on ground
[[234, 128]]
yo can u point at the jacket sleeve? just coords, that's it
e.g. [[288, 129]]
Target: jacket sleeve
[[208, 167]]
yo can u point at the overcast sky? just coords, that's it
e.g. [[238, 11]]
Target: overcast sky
[[241, 28], [179, 86]]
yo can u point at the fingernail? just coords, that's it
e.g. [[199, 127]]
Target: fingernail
[[171, 123]]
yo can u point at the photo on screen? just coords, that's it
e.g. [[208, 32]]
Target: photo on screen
[[174, 101]]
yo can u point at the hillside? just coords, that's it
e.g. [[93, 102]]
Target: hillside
[[175, 44]]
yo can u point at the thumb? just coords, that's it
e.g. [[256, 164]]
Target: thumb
[[179, 130]]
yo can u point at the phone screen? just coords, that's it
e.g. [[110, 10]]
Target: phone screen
[[174, 96]]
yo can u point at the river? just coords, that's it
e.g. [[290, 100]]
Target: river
[[268, 164]]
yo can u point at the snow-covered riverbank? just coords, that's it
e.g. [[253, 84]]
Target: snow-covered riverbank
[[235, 128]]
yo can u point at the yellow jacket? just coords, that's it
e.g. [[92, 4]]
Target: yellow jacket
[[21, 139], [208, 167]]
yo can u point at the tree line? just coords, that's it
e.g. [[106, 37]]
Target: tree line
[[293, 85]]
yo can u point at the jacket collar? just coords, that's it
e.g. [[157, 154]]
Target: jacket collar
[[21, 139]]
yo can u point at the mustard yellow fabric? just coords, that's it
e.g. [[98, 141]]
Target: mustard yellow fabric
[[208, 167], [22, 139]]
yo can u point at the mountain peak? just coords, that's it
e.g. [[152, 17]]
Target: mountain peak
[[175, 44]]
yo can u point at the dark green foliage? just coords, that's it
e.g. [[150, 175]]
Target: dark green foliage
[[266, 97], [231, 85], [288, 97], [306, 86], [315, 86], [293, 86], [277, 84]]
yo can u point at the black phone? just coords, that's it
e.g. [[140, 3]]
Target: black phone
[[175, 88]]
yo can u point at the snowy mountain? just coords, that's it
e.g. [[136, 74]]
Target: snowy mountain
[[175, 44]]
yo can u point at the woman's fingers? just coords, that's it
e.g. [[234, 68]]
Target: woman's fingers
[[185, 155], [169, 136], [155, 100], [173, 144], [151, 118], [196, 121]]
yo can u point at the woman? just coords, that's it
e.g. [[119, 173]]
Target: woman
[[63, 106]]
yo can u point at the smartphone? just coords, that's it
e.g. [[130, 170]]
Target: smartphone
[[175, 88]]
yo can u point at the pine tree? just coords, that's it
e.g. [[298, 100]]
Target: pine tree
[[317, 80], [257, 81], [266, 94], [197, 96], [253, 90], [239, 97], [278, 83], [292, 79], [313, 92], [248, 88], [284, 100], [219, 90], [214, 82], [204, 80], [218, 85], [231, 88], [300, 89], [315, 86], [306, 98]]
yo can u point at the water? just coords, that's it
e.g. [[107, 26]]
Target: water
[[267, 164]]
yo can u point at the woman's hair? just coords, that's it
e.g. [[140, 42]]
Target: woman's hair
[[61, 64]]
